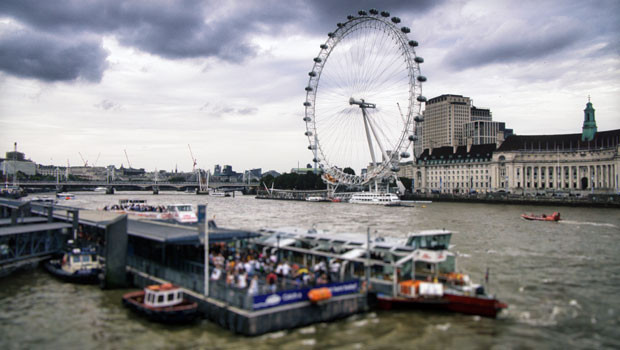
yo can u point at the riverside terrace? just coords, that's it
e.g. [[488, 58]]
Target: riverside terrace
[[160, 253]]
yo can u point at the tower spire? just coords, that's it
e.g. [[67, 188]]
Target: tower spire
[[589, 124]]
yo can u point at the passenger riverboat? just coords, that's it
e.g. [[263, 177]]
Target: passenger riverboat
[[182, 213], [377, 198], [65, 195], [162, 303], [139, 208], [417, 272], [77, 265]]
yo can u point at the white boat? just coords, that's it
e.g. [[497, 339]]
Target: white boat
[[100, 189], [140, 208], [380, 198], [65, 195], [182, 213]]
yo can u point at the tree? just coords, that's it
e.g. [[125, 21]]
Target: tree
[[348, 170]]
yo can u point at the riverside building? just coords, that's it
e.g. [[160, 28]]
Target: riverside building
[[571, 163]]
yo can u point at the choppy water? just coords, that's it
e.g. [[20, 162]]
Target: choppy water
[[561, 281]]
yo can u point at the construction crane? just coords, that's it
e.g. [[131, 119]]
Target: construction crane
[[126, 156], [193, 159], [84, 161], [95, 163]]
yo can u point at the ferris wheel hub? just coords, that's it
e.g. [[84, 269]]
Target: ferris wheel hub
[[361, 103]]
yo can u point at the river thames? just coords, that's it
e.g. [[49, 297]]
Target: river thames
[[560, 281]]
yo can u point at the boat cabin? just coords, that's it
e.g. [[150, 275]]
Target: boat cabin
[[432, 239], [162, 295], [80, 259], [182, 213], [131, 202]]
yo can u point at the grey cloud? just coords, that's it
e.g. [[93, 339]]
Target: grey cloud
[[30, 54], [107, 105], [220, 110], [510, 48], [547, 33]]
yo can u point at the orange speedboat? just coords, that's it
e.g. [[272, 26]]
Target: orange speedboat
[[553, 217]]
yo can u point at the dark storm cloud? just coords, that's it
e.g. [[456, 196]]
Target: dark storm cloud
[[551, 32], [30, 54], [512, 48]]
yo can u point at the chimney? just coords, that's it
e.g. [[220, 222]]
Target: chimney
[[469, 143], [499, 138]]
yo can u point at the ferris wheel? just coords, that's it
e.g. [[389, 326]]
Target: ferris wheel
[[363, 99]]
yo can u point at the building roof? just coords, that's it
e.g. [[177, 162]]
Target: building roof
[[447, 153], [560, 142], [182, 234]]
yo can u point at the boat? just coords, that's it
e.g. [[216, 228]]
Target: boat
[[182, 213], [77, 265], [377, 198], [65, 195], [162, 303], [139, 208], [13, 192], [417, 272], [100, 189], [317, 199], [544, 217]]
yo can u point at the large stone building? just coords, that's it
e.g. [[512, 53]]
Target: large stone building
[[588, 161]]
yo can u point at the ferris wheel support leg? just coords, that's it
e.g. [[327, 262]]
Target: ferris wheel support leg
[[366, 127], [374, 132]]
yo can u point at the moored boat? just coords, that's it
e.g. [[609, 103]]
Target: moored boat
[[76, 266], [553, 217], [377, 198], [139, 208], [65, 195], [162, 303]]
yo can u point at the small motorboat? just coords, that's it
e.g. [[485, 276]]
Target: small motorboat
[[76, 266], [162, 303], [553, 217]]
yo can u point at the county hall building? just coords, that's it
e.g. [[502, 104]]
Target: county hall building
[[566, 163]]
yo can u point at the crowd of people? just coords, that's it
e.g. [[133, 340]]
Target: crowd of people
[[137, 207], [260, 273]]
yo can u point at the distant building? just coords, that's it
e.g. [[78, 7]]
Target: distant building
[[16, 162], [444, 120], [523, 164], [217, 170], [302, 170]]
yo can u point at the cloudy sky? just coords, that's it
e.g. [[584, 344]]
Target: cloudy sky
[[228, 77]]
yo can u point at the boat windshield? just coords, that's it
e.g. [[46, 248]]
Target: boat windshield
[[182, 207]]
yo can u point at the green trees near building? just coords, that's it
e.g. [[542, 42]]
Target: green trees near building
[[293, 181]]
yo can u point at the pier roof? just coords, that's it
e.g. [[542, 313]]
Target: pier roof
[[181, 234]]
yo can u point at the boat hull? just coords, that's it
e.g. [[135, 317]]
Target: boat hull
[[185, 312], [90, 276], [486, 307]]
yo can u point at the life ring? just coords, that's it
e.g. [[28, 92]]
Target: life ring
[[318, 294]]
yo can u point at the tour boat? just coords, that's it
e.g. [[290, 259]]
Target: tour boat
[[553, 217], [76, 266], [182, 213], [162, 303], [100, 189], [417, 272], [139, 208], [380, 198]]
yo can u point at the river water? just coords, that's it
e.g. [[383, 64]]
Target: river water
[[560, 280]]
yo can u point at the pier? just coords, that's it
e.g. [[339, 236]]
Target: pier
[[140, 253]]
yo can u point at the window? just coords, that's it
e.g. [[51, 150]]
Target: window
[[160, 298]]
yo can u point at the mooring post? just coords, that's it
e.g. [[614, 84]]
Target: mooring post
[[203, 231]]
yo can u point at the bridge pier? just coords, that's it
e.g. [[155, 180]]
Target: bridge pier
[[109, 190]]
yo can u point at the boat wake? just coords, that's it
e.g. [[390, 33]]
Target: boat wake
[[602, 224]]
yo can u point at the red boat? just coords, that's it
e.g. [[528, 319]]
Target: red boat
[[553, 217], [162, 303], [433, 296]]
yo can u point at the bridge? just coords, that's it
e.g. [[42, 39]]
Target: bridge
[[156, 186]]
